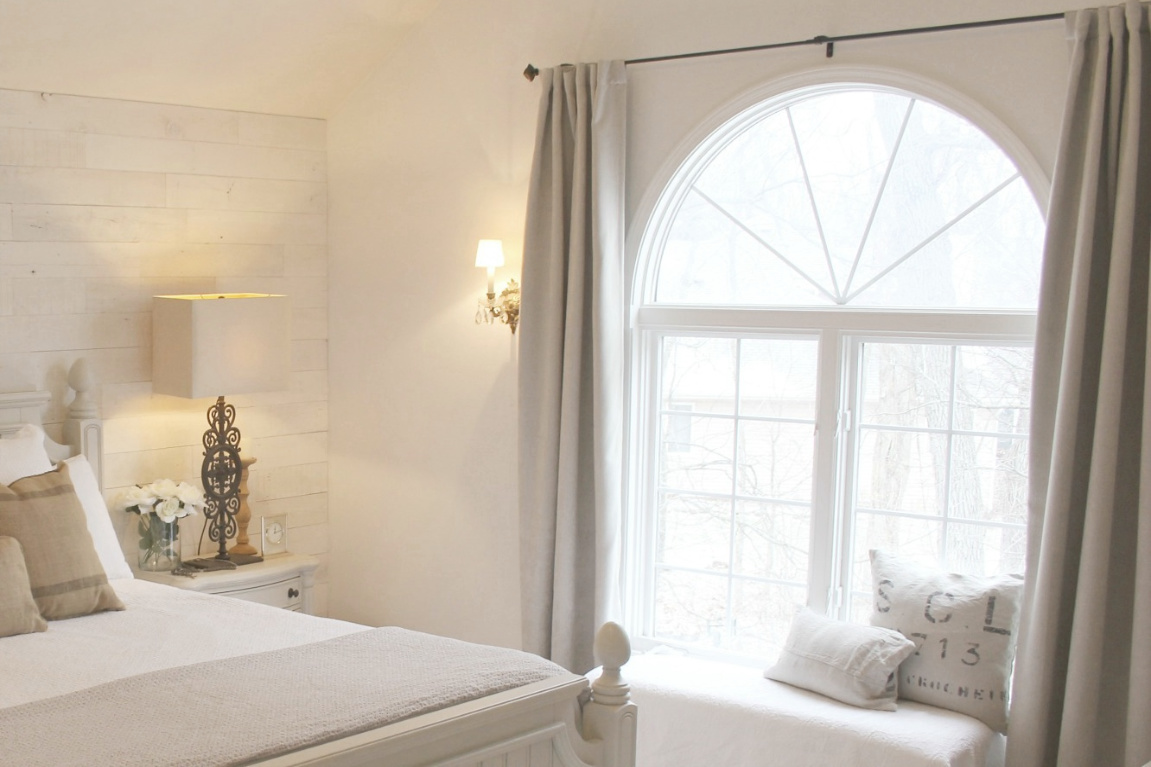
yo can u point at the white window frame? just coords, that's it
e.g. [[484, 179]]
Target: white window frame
[[840, 331], [840, 334]]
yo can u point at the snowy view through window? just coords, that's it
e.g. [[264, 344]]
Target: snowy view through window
[[854, 272]]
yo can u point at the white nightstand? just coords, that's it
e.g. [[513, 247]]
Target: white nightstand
[[283, 580]]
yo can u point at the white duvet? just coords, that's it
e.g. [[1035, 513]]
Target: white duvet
[[694, 712], [162, 627], [305, 695]]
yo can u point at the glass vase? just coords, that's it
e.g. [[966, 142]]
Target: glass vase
[[159, 543]]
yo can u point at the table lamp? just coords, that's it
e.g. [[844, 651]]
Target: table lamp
[[212, 345]]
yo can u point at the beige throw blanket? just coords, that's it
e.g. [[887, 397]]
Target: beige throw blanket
[[234, 711]]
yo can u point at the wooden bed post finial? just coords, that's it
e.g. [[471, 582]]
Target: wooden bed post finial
[[610, 716], [82, 381], [612, 651]]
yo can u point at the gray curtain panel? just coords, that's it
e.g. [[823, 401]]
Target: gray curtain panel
[[1082, 691], [571, 364]]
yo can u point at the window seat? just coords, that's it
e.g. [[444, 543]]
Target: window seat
[[695, 712]]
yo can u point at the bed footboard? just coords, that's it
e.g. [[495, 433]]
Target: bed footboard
[[559, 722], [596, 729]]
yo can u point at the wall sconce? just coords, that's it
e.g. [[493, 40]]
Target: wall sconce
[[504, 308]]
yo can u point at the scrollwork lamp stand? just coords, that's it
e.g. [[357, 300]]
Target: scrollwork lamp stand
[[220, 474]]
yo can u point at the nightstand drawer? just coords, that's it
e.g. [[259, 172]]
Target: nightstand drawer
[[284, 581], [285, 594]]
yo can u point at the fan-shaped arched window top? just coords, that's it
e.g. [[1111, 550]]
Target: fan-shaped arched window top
[[853, 196]]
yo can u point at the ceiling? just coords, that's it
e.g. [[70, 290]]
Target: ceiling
[[293, 57]]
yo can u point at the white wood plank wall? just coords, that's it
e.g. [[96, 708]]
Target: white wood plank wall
[[104, 204]]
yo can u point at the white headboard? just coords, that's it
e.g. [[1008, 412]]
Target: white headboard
[[83, 430]]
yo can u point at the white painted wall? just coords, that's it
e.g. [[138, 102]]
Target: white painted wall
[[433, 152], [295, 57], [105, 203], [430, 156]]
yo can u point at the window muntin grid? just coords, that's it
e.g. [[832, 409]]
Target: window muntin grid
[[939, 458], [733, 494], [864, 197]]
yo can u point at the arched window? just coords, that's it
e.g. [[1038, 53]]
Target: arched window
[[833, 354]]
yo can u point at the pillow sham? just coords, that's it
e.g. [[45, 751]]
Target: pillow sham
[[22, 454], [18, 611], [846, 661], [44, 514], [83, 478], [964, 629]]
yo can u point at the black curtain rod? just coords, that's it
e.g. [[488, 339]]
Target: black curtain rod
[[530, 72]]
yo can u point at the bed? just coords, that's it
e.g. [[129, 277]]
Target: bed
[[179, 677]]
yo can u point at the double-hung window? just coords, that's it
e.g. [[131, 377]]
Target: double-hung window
[[832, 344]]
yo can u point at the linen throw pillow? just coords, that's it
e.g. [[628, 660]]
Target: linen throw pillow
[[18, 611], [964, 630], [44, 514], [846, 661], [22, 454]]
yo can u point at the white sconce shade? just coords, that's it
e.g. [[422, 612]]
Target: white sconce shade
[[506, 307], [490, 253], [220, 343]]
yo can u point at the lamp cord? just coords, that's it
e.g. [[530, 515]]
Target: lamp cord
[[200, 543]]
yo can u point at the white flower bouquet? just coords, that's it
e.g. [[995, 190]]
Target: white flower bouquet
[[168, 500], [160, 505]]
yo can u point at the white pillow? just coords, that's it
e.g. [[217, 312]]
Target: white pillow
[[852, 663], [964, 629], [22, 454], [104, 538]]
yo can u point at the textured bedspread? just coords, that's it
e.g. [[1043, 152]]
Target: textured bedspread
[[162, 628], [303, 695]]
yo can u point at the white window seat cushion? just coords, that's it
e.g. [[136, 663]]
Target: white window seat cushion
[[695, 712]]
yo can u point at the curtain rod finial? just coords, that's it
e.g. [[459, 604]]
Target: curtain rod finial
[[530, 72]]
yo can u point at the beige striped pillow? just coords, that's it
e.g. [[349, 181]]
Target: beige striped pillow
[[45, 515], [18, 611]]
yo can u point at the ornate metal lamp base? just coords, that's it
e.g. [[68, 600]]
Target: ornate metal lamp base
[[221, 474]]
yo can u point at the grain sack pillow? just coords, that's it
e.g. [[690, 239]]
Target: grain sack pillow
[[44, 514], [964, 630], [18, 611], [846, 661]]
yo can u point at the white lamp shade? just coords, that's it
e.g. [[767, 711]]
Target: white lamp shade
[[219, 344], [490, 253]]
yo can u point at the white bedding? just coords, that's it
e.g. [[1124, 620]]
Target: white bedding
[[697, 712], [95, 690], [305, 696], [184, 626]]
